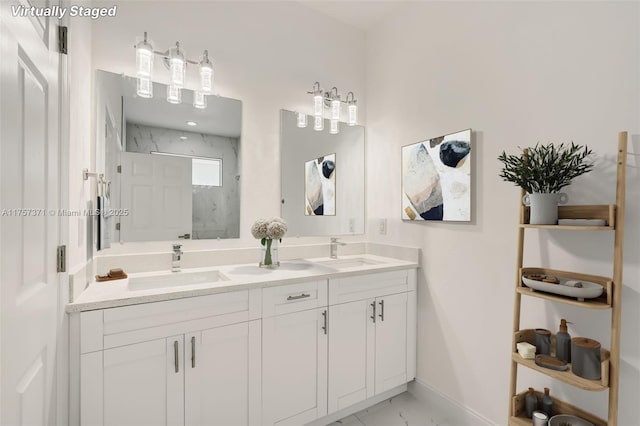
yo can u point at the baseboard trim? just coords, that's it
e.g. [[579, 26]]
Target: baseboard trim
[[345, 412], [432, 396]]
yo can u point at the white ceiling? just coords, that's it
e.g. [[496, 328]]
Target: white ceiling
[[362, 14], [222, 116]]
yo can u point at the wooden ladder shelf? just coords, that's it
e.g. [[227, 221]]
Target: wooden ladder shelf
[[613, 215]]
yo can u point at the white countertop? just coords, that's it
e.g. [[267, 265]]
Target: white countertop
[[109, 294]]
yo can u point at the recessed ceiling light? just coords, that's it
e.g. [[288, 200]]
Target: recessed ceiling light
[[182, 138], [191, 123]]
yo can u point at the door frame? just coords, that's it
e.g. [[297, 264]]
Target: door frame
[[64, 149]]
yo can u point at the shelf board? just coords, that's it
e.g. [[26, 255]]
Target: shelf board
[[519, 417], [564, 376], [606, 212], [604, 301], [568, 227]]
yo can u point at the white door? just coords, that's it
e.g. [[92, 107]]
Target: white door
[[217, 376], [294, 368], [144, 384], [157, 191], [351, 353], [28, 180], [391, 342]]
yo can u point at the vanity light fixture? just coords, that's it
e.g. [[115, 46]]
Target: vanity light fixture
[[332, 100], [176, 61]]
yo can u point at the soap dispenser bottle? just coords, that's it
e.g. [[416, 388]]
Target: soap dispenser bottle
[[547, 403], [563, 343], [530, 402]]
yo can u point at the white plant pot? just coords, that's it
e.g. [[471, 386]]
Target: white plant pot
[[544, 207]]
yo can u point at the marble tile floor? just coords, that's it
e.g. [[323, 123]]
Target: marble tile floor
[[402, 410]]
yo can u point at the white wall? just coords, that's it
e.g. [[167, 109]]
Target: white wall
[[80, 133], [267, 54], [517, 73]]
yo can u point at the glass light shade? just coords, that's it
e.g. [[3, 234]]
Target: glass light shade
[[206, 74], [174, 94], [206, 79], [352, 110], [302, 120], [199, 100], [144, 88], [318, 105], [144, 59], [333, 128], [177, 66], [335, 109], [318, 123]]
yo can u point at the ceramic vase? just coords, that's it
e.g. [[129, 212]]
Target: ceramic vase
[[544, 207], [269, 254]]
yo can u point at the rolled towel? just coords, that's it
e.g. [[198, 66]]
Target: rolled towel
[[573, 283]]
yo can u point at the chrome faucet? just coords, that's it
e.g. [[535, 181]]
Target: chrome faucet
[[334, 247], [175, 260]]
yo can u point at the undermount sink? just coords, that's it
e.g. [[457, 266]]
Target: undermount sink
[[175, 279], [356, 262]]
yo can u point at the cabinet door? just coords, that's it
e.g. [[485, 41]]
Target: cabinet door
[[144, 384], [294, 367], [391, 342], [351, 353], [217, 376]]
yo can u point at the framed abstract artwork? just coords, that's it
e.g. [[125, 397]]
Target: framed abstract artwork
[[436, 179], [320, 186]]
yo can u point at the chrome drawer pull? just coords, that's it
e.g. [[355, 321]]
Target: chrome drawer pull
[[373, 317], [324, 326], [175, 355], [193, 351], [301, 296], [382, 309]]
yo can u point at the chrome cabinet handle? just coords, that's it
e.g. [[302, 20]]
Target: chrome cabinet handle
[[193, 351], [382, 310], [301, 296], [324, 326], [373, 305], [175, 356]]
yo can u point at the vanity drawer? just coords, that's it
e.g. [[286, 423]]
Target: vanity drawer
[[285, 299], [343, 290]]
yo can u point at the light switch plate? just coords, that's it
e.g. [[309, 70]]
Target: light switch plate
[[382, 226]]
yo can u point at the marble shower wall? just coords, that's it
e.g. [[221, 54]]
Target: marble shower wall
[[216, 210]]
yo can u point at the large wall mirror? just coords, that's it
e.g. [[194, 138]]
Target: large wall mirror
[[175, 168], [322, 178]]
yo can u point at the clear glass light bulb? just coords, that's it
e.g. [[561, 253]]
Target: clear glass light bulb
[[144, 88], [318, 105], [199, 100], [174, 94], [302, 120], [177, 66], [206, 74], [144, 58], [353, 114], [335, 109], [318, 123], [333, 128]]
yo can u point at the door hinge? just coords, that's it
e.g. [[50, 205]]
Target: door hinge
[[61, 258], [118, 226], [119, 168], [62, 39]]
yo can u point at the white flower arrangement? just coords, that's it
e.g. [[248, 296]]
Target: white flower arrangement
[[267, 230]]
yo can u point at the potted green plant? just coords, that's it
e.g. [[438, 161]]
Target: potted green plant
[[542, 171]]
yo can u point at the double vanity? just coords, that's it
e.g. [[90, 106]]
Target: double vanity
[[307, 343]]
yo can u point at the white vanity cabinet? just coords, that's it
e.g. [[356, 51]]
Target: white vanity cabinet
[[294, 353], [192, 361], [371, 336]]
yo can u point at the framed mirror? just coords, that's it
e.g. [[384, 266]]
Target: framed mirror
[[174, 168], [322, 178]]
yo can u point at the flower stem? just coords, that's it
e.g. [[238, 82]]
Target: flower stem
[[267, 254]]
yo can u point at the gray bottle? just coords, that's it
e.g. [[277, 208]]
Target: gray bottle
[[547, 403], [530, 402], [563, 342]]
